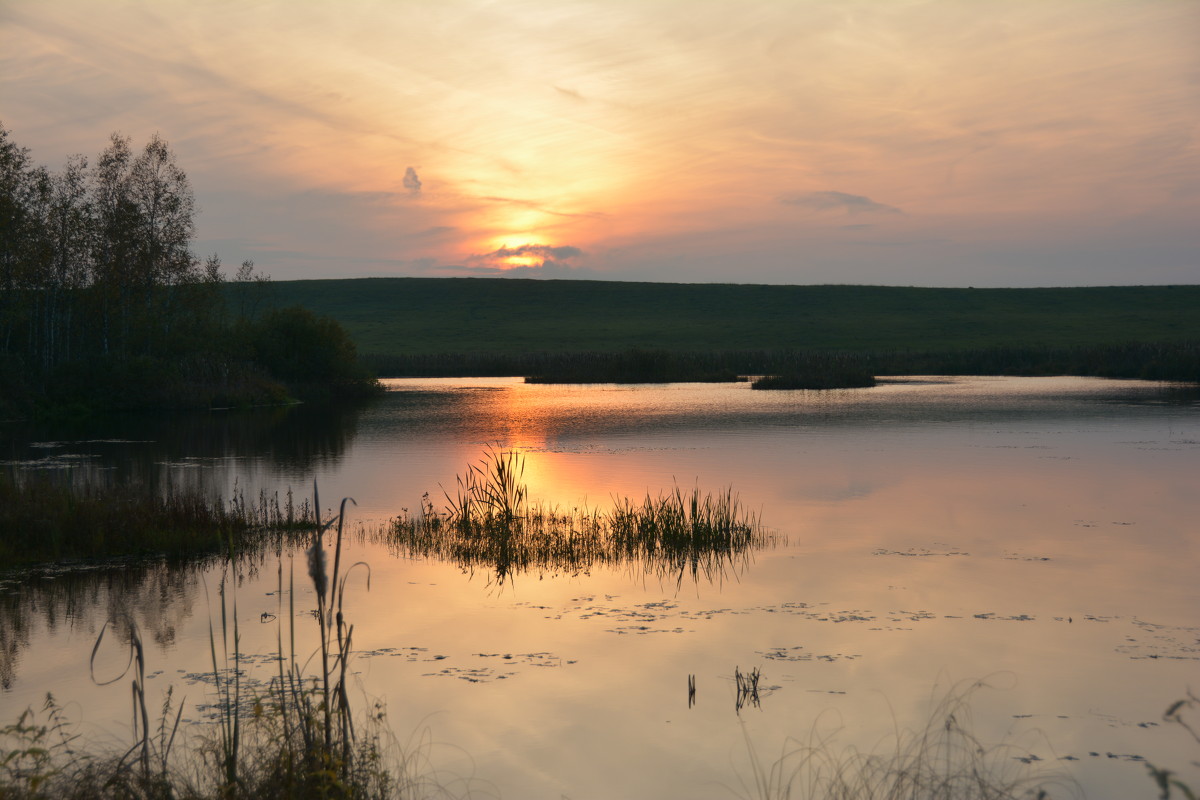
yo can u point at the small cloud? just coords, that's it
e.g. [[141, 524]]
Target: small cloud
[[829, 201], [554, 261], [543, 251], [411, 181]]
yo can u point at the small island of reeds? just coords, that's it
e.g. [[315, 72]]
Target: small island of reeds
[[490, 523]]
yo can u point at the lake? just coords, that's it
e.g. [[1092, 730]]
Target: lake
[[1037, 535]]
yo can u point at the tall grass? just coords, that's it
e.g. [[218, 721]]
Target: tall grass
[[304, 742], [943, 760], [298, 739], [47, 520], [489, 522], [1185, 714]]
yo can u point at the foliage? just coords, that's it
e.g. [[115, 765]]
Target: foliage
[[103, 303], [310, 353]]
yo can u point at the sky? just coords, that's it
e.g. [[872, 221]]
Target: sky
[[894, 142]]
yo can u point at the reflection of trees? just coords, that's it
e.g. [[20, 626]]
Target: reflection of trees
[[193, 449], [158, 596]]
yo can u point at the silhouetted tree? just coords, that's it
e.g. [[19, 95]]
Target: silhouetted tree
[[100, 291]]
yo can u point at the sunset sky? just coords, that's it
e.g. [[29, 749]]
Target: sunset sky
[[901, 142]]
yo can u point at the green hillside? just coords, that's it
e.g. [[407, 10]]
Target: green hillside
[[413, 316]]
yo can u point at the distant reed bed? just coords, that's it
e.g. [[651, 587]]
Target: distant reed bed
[[1175, 361]]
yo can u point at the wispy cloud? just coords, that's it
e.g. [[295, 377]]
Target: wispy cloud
[[542, 251], [832, 201], [657, 150]]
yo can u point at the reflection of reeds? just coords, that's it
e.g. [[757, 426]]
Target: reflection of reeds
[[490, 523], [747, 688]]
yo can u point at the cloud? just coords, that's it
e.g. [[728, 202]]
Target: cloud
[[828, 201], [555, 261], [411, 181], [543, 251]]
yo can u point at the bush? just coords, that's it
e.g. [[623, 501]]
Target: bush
[[312, 355]]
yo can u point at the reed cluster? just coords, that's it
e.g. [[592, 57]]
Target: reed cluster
[[297, 739], [489, 522], [944, 760], [48, 520], [829, 379]]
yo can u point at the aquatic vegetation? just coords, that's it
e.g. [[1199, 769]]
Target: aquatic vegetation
[[489, 522], [1145, 360], [1168, 781], [944, 760], [832, 379], [298, 739], [490, 492], [47, 520]]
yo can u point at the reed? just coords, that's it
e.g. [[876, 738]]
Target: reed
[[489, 522], [831, 379], [943, 760], [1184, 714], [47, 520], [298, 739]]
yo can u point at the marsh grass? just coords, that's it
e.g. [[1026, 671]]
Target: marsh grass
[[943, 760], [1185, 714], [47, 520], [847, 378], [489, 522], [299, 738]]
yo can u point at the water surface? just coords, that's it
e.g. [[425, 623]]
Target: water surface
[[1035, 532]]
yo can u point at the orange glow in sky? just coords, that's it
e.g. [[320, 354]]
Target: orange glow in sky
[[931, 143]]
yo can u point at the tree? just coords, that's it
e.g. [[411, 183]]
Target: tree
[[14, 229], [145, 215]]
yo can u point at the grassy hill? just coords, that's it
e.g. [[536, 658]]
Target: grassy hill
[[427, 316]]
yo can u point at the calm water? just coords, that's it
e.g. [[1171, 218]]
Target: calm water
[[1037, 533]]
